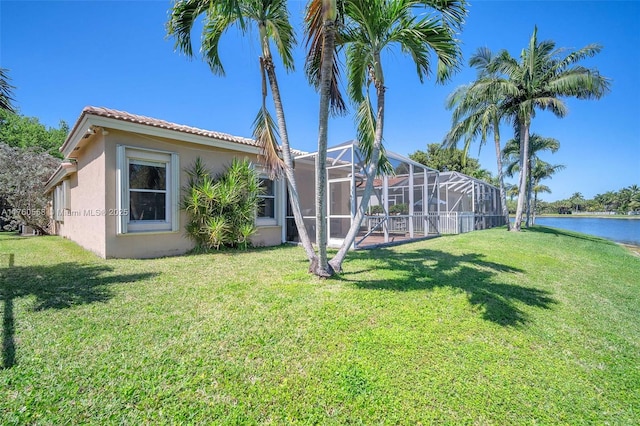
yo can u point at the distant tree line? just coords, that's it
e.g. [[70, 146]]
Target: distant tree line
[[623, 201]]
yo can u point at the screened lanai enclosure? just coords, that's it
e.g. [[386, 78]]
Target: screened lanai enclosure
[[469, 204], [399, 208], [406, 205]]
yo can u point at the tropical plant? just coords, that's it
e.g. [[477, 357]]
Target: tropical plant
[[399, 209], [541, 79], [511, 155], [6, 91], [322, 69], [477, 113], [512, 191], [221, 208], [608, 201], [271, 18], [369, 28], [576, 200], [542, 170], [376, 209]]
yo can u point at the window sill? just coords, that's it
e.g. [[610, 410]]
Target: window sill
[[266, 223], [159, 232]]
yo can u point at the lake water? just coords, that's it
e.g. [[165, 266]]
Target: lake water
[[619, 230]]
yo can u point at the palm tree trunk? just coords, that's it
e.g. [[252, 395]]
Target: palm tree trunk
[[294, 199], [529, 190], [522, 184], [372, 168], [322, 267], [535, 205], [503, 192]]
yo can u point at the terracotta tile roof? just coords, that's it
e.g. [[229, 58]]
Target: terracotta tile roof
[[141, 119], [393, 181]]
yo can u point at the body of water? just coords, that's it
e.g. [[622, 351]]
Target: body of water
[[619, 230]]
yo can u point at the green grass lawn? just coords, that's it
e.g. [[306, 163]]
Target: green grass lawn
[[484, 328]]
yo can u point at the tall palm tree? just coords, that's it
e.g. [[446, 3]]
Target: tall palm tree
[[511, 155], [541, 79], [576, 199], [512, 190], [476, 116], [608, 200], [541, 170], [321, 21], [627, 198], [371, 27], [6, 91], [272, 20], [634, 204]]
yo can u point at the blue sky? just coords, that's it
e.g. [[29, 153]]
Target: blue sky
[[64, 55]]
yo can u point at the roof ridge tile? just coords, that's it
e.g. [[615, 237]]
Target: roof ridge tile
[[163, 124]]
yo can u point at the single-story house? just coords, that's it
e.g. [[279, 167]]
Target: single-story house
[[103, 198]]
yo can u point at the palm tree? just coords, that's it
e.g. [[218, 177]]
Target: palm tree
[[511, 155], [634, 203], [475, 115], [272, 20], [512, 190], [627, 198], [576, 200], [370, 27], [608, 200], [321, 22], [6, 91], [539, 80], [541, 170]]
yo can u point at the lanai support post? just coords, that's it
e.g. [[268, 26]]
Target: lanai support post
[[385, 196], [411, 201]]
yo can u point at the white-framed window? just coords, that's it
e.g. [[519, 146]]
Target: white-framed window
[[148, 190], [61, 200], [267, 202]]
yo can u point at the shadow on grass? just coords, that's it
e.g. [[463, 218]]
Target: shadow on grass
[[13, 237], [425, 269], [57, 286]]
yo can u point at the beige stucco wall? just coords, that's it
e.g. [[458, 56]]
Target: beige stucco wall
[[267, 236], [84, 222], [145, 245]]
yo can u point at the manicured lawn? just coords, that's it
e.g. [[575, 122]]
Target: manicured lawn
[[487, 328]]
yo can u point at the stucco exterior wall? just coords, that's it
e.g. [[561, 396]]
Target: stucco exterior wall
[[267, 236], [147, 245], [84, 222]]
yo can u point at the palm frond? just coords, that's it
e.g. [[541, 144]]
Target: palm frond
[[481, 60], [215, 25], [453, 12], [6, 91], [358, 71], [280, 30], [314, 27], [181, 20], [366, 125], [266, 134]]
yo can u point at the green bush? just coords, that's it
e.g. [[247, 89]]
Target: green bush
[[377, 209], [221, 209], [399, 209]]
